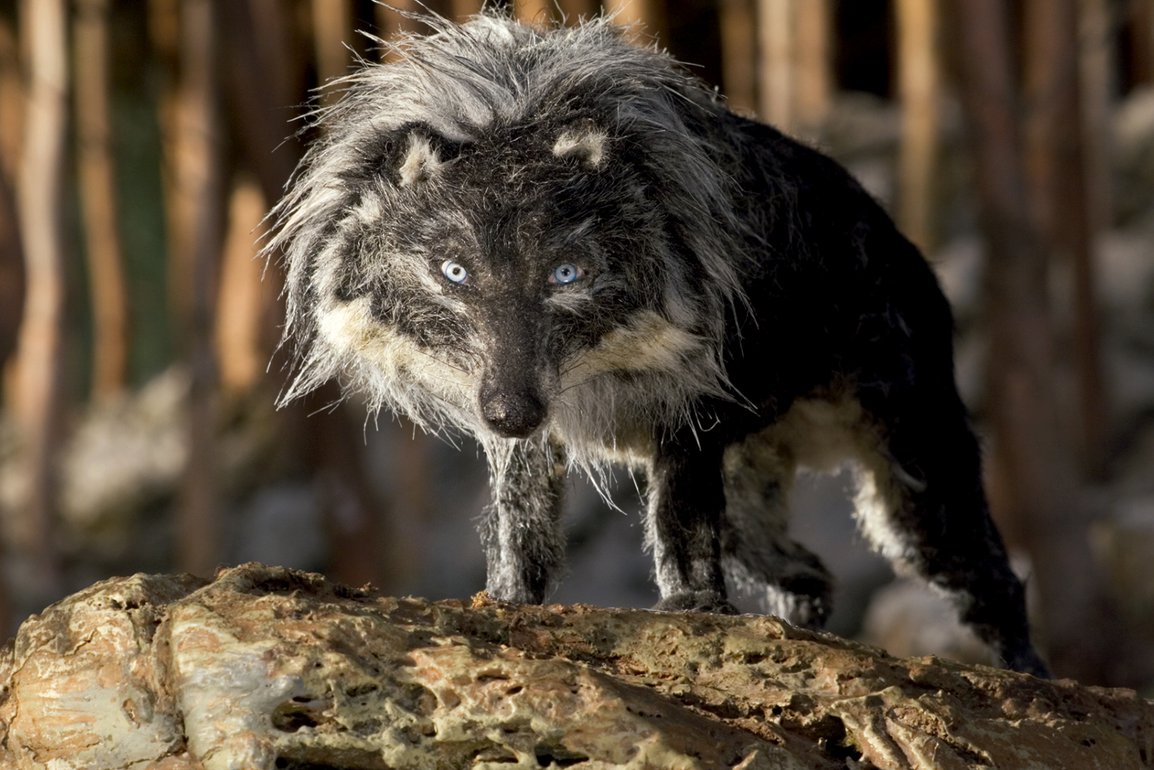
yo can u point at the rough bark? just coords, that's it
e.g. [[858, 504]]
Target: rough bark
[[270, 668]]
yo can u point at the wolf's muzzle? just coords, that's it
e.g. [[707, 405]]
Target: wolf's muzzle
[[512, 413]]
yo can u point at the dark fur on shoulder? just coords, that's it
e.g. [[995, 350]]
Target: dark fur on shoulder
[[568, 247]]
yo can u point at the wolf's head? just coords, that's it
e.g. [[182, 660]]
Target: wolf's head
[[509, 227]]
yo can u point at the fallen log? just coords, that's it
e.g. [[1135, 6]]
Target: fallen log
[[267, 668]]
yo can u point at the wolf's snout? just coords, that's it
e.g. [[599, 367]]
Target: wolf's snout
[[512, 414]]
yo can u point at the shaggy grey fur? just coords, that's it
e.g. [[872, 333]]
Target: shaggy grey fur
[[566, 246]]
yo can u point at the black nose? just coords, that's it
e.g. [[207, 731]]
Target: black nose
[[512, 414]]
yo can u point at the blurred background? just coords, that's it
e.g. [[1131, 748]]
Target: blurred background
[[141, 143]]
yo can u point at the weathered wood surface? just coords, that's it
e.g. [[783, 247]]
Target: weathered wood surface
[[270, 668]]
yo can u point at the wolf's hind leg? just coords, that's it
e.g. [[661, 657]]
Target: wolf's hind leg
[[758, 556], [921, 505]]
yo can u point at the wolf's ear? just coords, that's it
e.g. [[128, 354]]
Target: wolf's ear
[[424, 157], [585, 142]]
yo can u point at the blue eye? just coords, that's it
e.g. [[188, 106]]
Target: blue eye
[[566, 273], [454, 271]]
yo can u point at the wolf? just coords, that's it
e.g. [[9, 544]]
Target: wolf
[[567, 246]]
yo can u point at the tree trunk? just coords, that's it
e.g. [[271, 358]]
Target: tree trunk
[[12, 277], [266, 84], [327, 441], [391, 19], [1141, 13], [642, 18], [42, 223], [199, 188], [266, 81], [1062, 207], [739, 54], [164, 33], [99, 199], [775, 23], [1036, 476], [12, 101], [538, 12], [463, 9], [332, 30], [1099, 21], [919, 83], [813, 53], [240, 324], [12, 280], [357, 522], [269, 668], [574, 10], [796, 64]]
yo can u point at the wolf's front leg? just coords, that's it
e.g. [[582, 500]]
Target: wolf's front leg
[[521, 529], [686, 503]]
